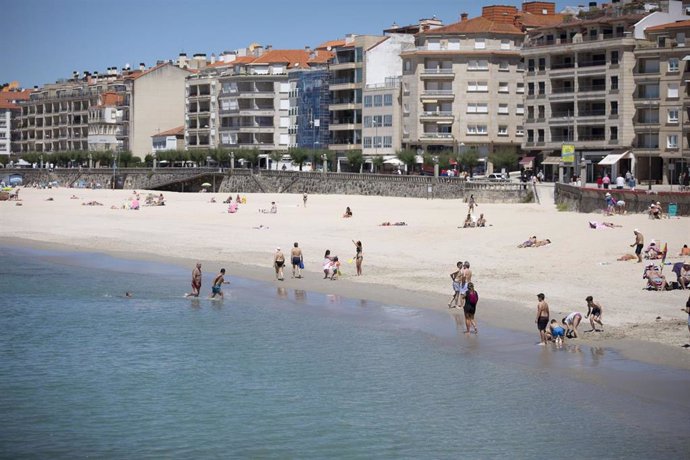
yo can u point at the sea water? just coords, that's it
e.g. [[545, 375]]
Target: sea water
[[285, 373]]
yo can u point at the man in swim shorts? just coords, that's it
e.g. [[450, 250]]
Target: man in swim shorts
[[557, 332], [456, 276], [638, 244], [196, 281], [594, 314], [542, 319], [218, 282], [296, 258]]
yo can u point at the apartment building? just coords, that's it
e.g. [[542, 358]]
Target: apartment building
[[254, 100], [662, 118], [462, 87], [586, 90], [309, 101], [117, 110], [9, 118], [171, 139], [202, 119], [347, 82], [381, 127]]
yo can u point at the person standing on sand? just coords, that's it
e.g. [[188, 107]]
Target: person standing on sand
[[470, 308], [218, 282], [472, 203], [594, 314], [196, 281], [638, 244], [358, 256], [304, 199], [297, 260], [542, 319], [279, 263]]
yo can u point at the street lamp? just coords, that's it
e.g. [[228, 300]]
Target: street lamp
[[435, 160], [232, 160], [90, 161], [324, 157], [113, 180]]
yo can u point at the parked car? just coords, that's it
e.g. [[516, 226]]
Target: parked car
[[497, 177]]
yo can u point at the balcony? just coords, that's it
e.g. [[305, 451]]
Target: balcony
[[439, 137], [342, 104], [445, 94], [343, 66], [437, 114], [436, 73]]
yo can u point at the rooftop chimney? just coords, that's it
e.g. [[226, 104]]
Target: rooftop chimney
[[463, 17], [142, 66], [213, 58], [307, 49], [499, 13], [269, 47], [182, 60]]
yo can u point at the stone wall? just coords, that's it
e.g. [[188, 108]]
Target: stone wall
[[246, 181], [593, 199]]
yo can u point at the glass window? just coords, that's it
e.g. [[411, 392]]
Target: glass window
[[672, 141], [388, 120], [503, 109], [503, 130], [614, 107], [672, 90], [503, 66], [387, 100], [367, 142], [613, 133], [673, 115], [520, 89], [520, 109], [378, 100], [542, 63], [377, 142], [367, 101], [479, 43], [503, 87], [614, 57], [387, 142], [378, 120], [530, 65], [367, 122], [505, 44], [519, 131], [673, 64]]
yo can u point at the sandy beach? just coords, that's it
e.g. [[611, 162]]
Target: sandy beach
[[405, 265]]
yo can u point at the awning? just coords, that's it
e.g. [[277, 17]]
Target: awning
[[551, 161], [687, 58], [613, 158], [526, 161]]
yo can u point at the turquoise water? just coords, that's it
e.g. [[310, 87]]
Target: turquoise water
[[291, 374]]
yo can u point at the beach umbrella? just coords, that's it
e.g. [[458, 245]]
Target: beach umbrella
[[205, 184]]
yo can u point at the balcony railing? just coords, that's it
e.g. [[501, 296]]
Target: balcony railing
[[562, 65], [591, 63], [437, 92], [562, 90], [437, 71], [591, 137], [437, 135], [437, 114]]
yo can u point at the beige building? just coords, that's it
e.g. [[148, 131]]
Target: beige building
[[158, 102], [662, 119], [462, 87]]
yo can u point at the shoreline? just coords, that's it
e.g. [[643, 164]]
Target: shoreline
[[497, 313]]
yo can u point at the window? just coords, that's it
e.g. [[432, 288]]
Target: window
[[519, 131], [542, 64], [530, 112], [530, 135], [367, 142], [614, 107], [520, 89], [476, 129], [479, 43], [406, 108], [503, 109], [388, 100], [614, 57], [388, 120], [614, 82], [367, 122], [672, 90], [673, 115], [377, 142], [613, 133], [503, 87], [541, 112], [540, 135], [505, 44], [673, 64], [481, 64], [407, 64], [542, 87], [503, 66], [387, 142], [475, 107], [672, 141], [477, 87], [530, 89], [378, 120], [378, 100], [367, 101], [520, 109], [530, 65], [502, 130]]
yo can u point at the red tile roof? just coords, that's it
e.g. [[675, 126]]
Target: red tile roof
[[669, 26], [8, 105], [529, 20], [331, 43], [293, 58], [476, 25], [179, 131]]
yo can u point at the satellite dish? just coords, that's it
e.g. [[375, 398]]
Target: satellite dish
[[328, 48]]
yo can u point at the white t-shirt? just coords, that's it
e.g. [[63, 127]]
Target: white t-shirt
[[620, 182], [569, 319]]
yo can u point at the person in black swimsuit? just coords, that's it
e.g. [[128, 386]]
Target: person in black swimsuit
[[542, 319], [358, 256], [470, 307], [594, 314]]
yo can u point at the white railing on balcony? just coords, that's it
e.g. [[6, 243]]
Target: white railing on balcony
[[437, 135], [437, 114], [437, 71], [437, 92]]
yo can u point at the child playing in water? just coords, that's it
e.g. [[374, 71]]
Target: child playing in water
[[557, 332]]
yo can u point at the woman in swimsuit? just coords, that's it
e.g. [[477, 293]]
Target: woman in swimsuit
[[470, 307], [327, 261], [358, 256], [594, 314], [279, 262]]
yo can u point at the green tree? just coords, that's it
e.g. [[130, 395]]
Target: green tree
[[504, 157], [276, 156], [468, 159], [408, 157], [378, 163], [355, 159], [299, 156], [251, 156], [126, 158]]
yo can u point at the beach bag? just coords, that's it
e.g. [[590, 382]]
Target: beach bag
[[301, 265]]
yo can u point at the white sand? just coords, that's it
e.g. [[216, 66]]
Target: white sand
[[418, 257]]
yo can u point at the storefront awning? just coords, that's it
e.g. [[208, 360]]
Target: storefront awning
[[527, 161], [551, 161], [613, 158]]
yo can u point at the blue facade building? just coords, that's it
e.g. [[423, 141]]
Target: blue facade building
[[309, 101]]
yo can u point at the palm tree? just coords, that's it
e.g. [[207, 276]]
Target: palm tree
[[299, 156], [276, 156]]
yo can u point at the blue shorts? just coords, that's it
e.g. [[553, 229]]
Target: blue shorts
[[215, 289], [558, 332]]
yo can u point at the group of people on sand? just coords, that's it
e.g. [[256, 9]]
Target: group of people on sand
[[533, 242], [464, 295], [550, 330], [470, 220], [296, 259], [331, 263]]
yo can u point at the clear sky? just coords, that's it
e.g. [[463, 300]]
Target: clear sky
[[44, 40]]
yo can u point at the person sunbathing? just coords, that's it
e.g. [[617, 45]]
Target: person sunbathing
[[529, 243], [348, 212], [655, 278], [652, 252], [541, 243], [625, 257], [481, 222], [468, 221], [685, 251]]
